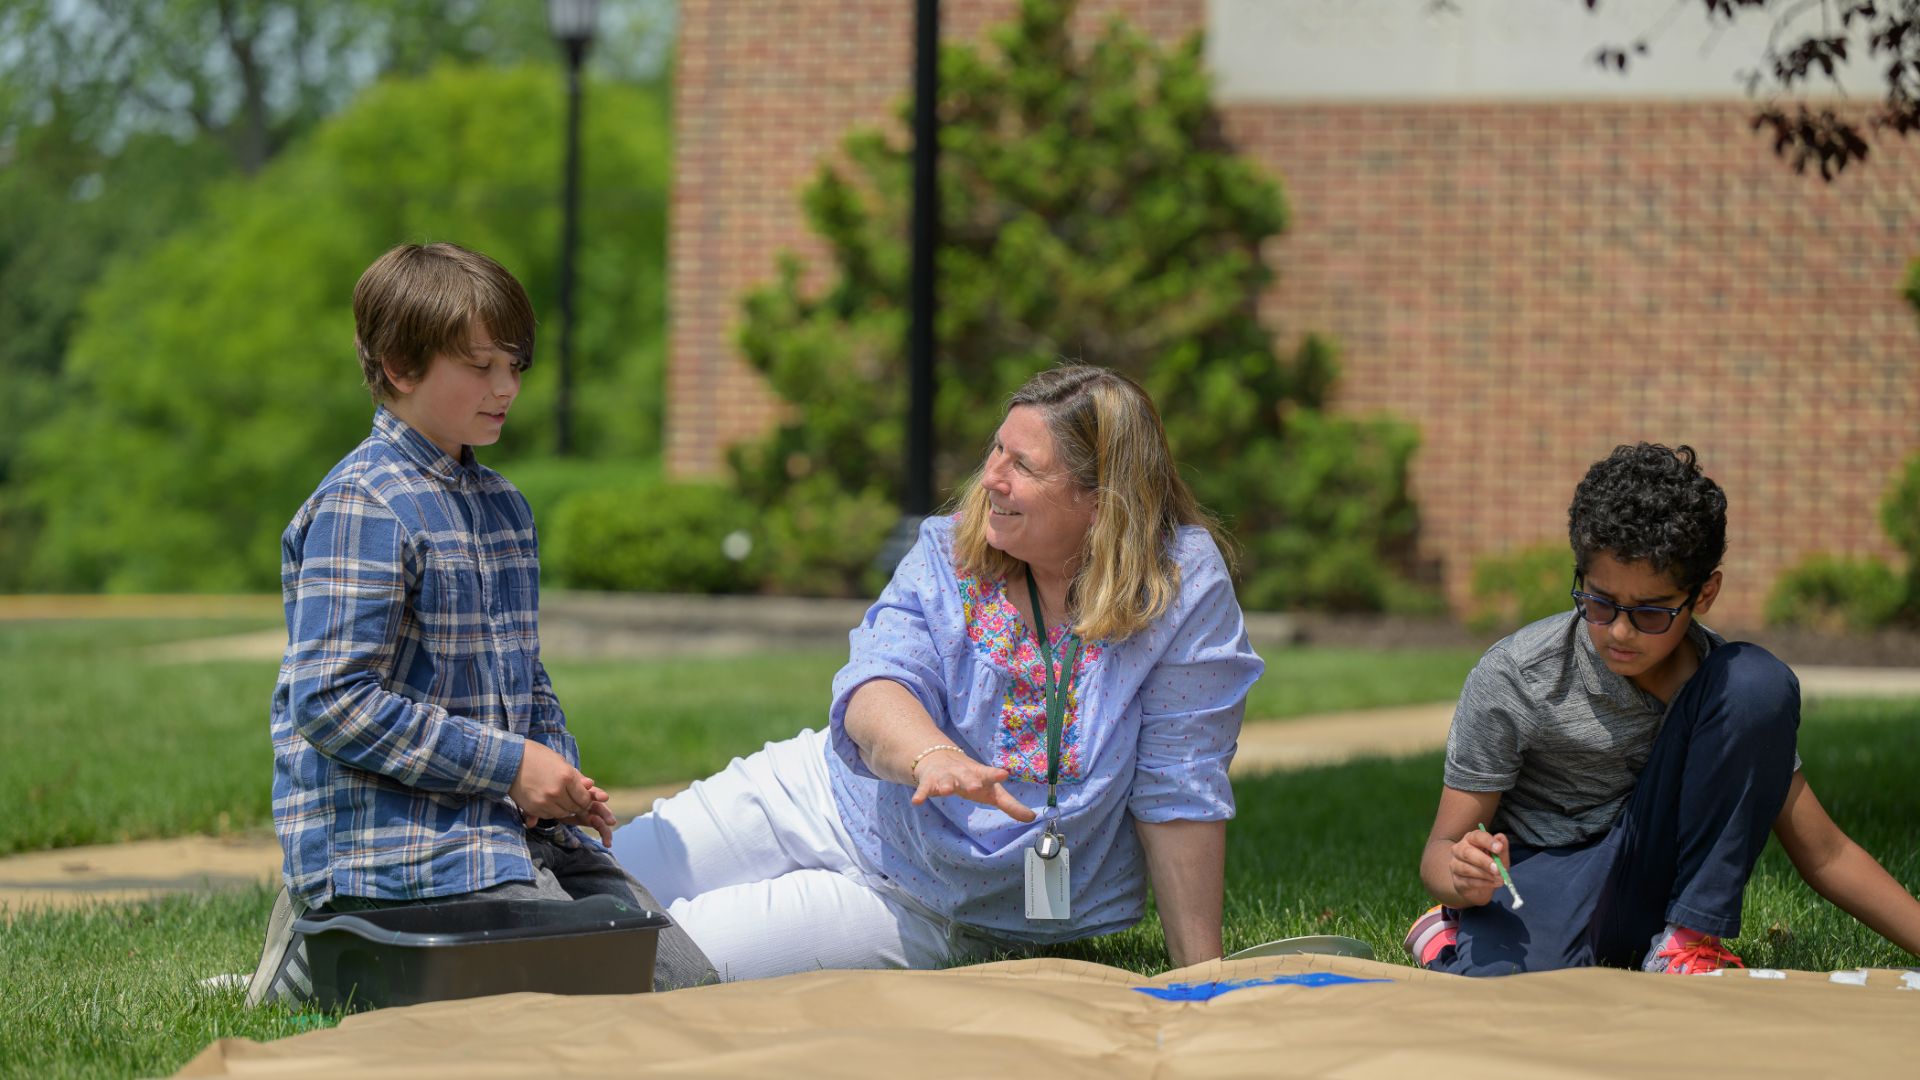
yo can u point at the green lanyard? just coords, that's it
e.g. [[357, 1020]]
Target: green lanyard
[[1056, 689]]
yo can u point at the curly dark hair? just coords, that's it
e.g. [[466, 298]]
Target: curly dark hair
[[1650, 503]]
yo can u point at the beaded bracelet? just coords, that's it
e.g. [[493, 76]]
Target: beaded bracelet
[[924, 753]]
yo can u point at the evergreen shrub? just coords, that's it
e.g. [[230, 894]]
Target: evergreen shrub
[[1900, 516], [651, 537], [1513, 589], [1835, 594]]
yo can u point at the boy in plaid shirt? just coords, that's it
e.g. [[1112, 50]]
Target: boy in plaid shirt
[[419, 751]]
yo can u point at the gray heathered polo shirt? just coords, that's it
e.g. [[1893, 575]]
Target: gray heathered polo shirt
[[1543, 720]]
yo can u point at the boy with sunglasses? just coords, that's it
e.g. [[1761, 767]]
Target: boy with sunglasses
[[1627, 762]]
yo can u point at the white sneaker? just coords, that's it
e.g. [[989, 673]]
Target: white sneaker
[[281, 975]]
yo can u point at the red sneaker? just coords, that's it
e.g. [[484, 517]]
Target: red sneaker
[[1438, 928], [1680, 951]]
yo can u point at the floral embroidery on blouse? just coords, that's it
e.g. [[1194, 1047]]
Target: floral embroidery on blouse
[[998, 635]]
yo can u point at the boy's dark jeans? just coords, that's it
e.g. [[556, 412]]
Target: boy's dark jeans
[[1683, 847]]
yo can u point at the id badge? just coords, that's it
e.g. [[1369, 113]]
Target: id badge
[[1049, 889]]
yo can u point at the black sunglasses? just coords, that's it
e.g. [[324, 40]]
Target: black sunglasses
[[1646, 618]]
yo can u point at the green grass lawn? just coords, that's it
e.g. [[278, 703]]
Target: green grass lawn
[[1300, 682], [1336, 850], [105, 745], [113, 990], [114, 744], [123, 747], [120, 747], [1322, 851]]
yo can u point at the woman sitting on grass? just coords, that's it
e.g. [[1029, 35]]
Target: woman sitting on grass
[[983, 788]]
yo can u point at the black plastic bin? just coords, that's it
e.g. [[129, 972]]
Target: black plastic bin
[[471, 948]]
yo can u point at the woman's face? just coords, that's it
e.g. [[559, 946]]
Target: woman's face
[[1037, 513]]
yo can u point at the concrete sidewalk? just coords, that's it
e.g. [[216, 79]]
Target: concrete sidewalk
[[133, 871]]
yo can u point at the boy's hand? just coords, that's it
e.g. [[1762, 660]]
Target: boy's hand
[[547, 786], [1474, 877], [598, 818]]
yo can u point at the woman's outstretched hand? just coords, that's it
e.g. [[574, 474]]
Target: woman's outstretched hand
[[950, 772]]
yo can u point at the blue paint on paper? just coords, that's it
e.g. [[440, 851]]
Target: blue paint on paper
[[1206, 991]]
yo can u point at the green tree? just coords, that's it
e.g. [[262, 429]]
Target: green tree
[[252, 75], [1091, 210], [1808, 44], [117, 117], [70, 210], [212, 381]]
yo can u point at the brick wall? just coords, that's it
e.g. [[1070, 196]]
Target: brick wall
[[1529, 284], [1533, 284]]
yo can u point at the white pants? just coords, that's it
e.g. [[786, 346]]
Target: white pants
[[755, 865]]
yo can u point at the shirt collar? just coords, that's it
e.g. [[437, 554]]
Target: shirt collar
[[1601, 680], [421, 450]]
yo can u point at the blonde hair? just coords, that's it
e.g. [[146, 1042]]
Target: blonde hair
[[1109, 441]]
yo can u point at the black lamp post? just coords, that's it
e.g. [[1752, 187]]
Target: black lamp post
[[572, 23], [926, 247], [917, 501]]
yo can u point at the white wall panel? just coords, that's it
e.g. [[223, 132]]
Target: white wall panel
[[1492, 50]]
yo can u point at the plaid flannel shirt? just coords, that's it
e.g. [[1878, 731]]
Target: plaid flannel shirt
[[412, 676]]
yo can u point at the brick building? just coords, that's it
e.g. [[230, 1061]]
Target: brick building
[[1528, 258]]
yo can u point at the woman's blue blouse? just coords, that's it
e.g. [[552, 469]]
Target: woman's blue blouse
[[1151, 727]]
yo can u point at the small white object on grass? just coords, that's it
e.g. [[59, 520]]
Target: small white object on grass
[[737, 545], [1324, 944]]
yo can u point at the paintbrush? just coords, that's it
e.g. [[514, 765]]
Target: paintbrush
[[1506, 877]]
